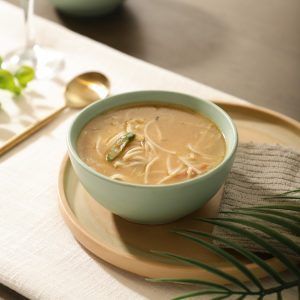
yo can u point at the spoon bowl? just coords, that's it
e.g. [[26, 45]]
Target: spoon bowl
[[85, 89]]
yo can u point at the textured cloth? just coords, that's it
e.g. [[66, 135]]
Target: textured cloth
[[259, 171], [39, 257]]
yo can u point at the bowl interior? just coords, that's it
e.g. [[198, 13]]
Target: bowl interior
[[210, 110]]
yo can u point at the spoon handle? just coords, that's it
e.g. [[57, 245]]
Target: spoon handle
[[30, 130]]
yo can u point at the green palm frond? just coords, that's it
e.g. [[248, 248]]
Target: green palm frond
[[289, 225], [267, 230], [286, 195], [227, 256], [199, 264], [259, 241], [191, 281], [262, 219], [204, 293], [238, 248], [283, 207], [274, 212]]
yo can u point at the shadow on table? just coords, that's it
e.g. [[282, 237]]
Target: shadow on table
[[8, 294], [171, 34], [120, 29]]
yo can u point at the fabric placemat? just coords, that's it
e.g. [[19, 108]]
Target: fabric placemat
[[260, 170], [39, 257]]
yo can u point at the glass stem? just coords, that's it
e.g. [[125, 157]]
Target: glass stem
[[27, 6]]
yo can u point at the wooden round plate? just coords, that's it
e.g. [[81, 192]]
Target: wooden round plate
[[127, 245]]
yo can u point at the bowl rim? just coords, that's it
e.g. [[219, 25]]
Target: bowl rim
[[153, 186]]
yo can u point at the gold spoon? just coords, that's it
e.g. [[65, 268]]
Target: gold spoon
[[80, 92]]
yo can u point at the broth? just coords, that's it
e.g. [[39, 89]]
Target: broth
[[161, 144]]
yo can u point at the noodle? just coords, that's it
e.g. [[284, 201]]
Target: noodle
[[188, 164], [150, 146], [189, 172], [147, 169], [98, 145], [203, 155], [204, 134], [131, 155], [127, 165], [169, 167], [173, 174], [158, 132], [135, 163], [151, 141], [118, 177]]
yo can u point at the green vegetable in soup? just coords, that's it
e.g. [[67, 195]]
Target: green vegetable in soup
[[119, 146]]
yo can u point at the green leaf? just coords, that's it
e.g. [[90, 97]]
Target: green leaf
[[279, 296], [199, 293], [224, 254], [282, 207], [7, 82], [24, 75], [273, 212], [189, 281], [285, 193], [283, 197], [253, 237], [204, 266], [246, 253], [271, 219], [267, 230], [1, 61]]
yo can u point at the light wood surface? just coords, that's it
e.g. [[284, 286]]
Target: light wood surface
[[248, 48]]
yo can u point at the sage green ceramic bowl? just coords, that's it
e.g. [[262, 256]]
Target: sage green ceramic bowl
[[86, 8], [153, 204]]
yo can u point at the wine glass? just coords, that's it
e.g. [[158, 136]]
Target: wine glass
[[47, 62]]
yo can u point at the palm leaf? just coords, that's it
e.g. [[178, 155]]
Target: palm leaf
[[224, 254], [267, 230], [256, 239], [282, 195], [294, 228], [204, 266], [190, 281], [284, 207], [200, 293], [289, 192], [273, 212], [246, 253]]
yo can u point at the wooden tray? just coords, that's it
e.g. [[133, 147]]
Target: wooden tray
[[127, 245]]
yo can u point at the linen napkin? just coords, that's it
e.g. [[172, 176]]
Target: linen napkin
[[260, 170]]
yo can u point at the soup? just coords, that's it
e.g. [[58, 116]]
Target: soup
[[151, 144]]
